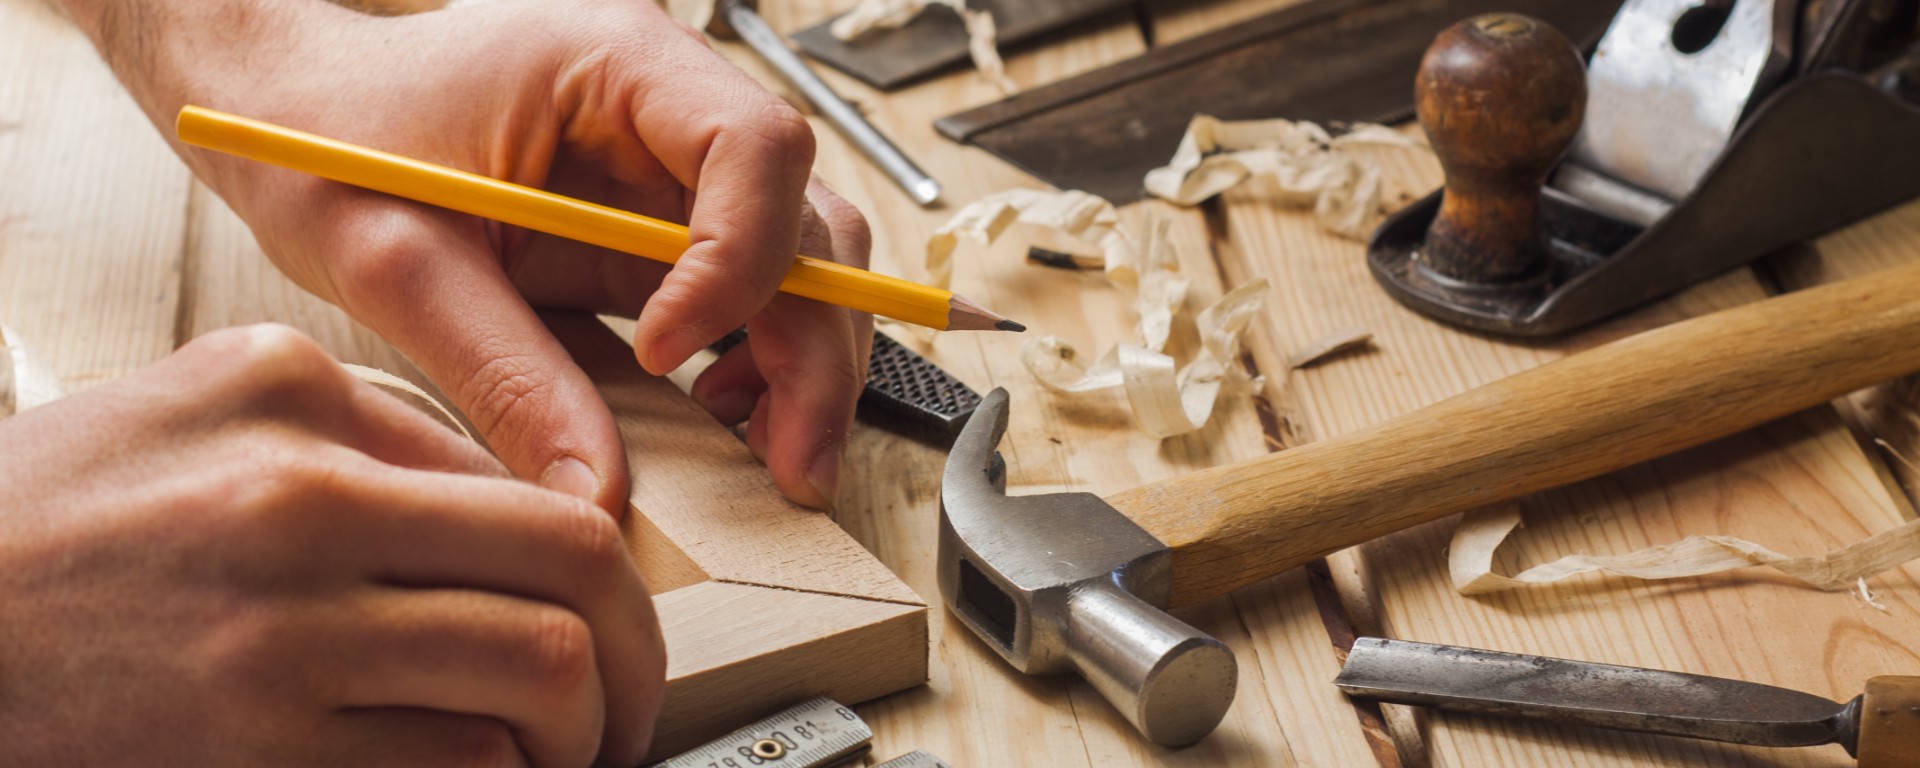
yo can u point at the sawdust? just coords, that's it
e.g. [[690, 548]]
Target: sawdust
[[1294, 163], [982, 36]]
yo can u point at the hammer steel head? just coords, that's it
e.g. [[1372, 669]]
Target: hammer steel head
[[1066, 583]]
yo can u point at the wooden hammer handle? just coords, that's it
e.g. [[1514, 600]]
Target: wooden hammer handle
[[1890, 723], [1585, 415]]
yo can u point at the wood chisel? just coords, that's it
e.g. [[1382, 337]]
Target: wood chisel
[[1880, 727]]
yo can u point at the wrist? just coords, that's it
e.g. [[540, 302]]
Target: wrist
[[169, 53]]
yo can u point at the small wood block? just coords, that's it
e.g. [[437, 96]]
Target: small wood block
[[763, 603]]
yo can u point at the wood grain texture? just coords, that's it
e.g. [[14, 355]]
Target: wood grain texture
[[1581, 416], [86, 253], [975, 711], [1801, 485]]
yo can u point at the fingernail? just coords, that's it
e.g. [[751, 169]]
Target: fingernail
[[730, 406], [669, 349], [572, 477], [824, 476]]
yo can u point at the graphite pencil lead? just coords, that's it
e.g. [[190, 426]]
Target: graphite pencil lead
[[964, 315]]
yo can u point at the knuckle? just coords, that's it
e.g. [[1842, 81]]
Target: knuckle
[[273, 496], [272, 361], [246, 646], [597, 549], [784, 129], [559, 653], [383, 255], [478, 742]]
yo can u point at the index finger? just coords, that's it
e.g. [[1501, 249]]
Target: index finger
[[746, 156]]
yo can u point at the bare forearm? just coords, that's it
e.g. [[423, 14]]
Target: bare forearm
[[172, 52]]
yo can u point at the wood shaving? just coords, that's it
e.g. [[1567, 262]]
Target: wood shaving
[[1295, 163], [1330, 345], [24, 382], [1165, 398], [982, 36], [1480, 533], [1867, 597], [411, 394], [1088, 221]]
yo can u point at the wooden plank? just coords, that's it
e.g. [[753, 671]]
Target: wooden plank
[[976, 711], [93, 218], [1800, 486], [737, 652]]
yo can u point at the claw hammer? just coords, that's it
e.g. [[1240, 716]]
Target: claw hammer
[[1072, 582]]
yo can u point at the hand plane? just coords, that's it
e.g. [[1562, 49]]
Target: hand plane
[[1700, 136]]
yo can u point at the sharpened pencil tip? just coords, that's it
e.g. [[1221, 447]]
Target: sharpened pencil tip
[[1009, 325]]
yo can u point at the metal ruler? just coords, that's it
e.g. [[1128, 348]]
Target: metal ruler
[[812, 734]]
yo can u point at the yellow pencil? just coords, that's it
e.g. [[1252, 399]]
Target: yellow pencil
[[567, 217]]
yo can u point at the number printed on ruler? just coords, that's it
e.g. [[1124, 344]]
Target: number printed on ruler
[[818, 732]]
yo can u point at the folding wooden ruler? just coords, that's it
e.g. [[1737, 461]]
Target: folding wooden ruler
[[815, 733]]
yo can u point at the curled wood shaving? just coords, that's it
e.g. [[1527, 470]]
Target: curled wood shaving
[[1287, 162], [24, 382], [1480, 533], [1166, 399], [411, 394], [982, 37], [1867, 597], [1330, 345], [1088, 221], [870, 15]]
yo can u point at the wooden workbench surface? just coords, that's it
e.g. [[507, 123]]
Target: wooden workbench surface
[[111, 256]]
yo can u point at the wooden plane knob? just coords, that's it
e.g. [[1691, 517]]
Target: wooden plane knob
[[1501, 97]]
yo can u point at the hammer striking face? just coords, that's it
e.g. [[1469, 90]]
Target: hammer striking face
[[1071, 582], [1066, 583]]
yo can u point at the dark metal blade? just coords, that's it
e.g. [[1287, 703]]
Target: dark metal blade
[[1585, 693], [1320, 60]]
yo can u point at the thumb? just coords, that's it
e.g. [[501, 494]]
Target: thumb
[[429, 285]]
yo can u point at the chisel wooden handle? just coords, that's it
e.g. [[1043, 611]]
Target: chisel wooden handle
[[1585, 415], [1890, 723]]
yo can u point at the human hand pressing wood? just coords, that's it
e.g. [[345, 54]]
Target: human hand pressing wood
[[605, 100], [243, 556]]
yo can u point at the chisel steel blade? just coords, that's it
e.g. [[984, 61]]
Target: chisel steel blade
[[1585, 693]]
